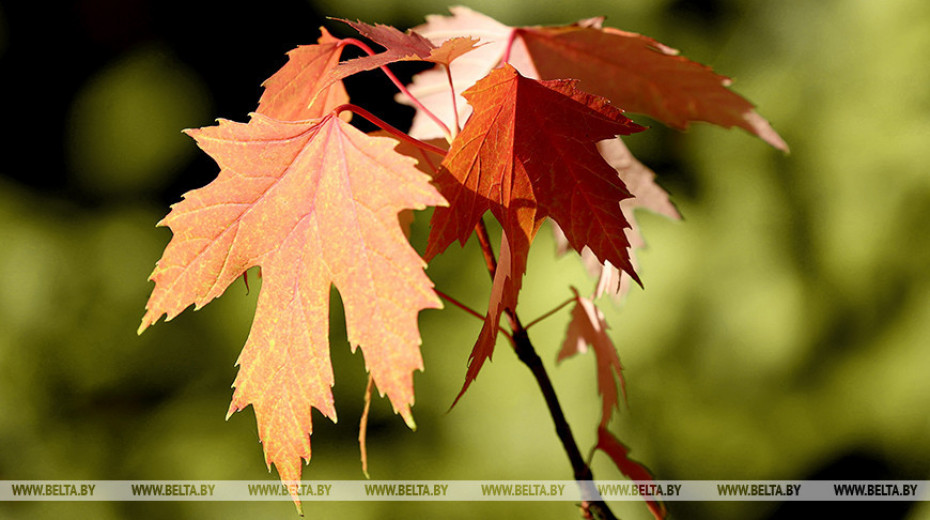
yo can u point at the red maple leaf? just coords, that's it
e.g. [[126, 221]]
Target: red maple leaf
[[504, 289], [619, 453], [289, 93], [636, 73], [588, 327], [648, 195], [315, 204], [527, 152], [642, 75]]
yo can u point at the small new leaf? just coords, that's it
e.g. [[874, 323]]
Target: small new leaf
[[588, 327], [619, 453], [399, 46]]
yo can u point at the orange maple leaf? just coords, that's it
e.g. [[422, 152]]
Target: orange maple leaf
[[315, 204], [289, 93]]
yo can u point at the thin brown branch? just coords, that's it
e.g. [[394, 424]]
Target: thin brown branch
[[582, 472], [526, 353]]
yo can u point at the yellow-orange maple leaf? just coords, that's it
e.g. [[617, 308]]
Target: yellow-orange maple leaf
[[315, 204]]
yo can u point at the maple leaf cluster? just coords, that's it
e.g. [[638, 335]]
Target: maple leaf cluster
[[531, 119]]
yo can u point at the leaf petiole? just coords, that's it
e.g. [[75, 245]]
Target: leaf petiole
[[363, 427], [469, 310], [375, 120], [400, 86], [455, 108], [550, 313], [510, 39]]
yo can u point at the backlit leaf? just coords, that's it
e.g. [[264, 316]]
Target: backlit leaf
[[315, 204]]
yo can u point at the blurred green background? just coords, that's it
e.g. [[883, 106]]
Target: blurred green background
[[783, 332]]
